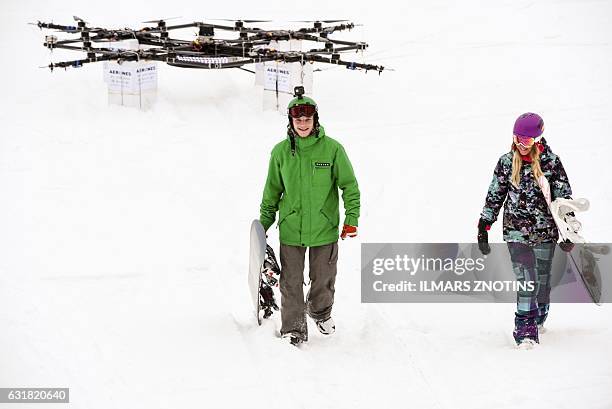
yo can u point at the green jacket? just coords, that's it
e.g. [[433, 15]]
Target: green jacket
[[304, 189]]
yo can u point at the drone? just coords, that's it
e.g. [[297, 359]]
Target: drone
[[205, 51]]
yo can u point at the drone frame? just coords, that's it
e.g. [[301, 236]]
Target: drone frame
[[206, 51]]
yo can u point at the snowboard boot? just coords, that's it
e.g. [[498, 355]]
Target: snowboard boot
[[525, 327], [326, 326], [292, 338]]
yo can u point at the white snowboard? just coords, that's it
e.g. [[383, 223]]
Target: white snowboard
[[257, 255]]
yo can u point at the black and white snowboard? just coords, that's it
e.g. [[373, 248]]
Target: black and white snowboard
[[583, 256]]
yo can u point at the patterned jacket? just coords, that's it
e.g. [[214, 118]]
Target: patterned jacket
[[527, 217]]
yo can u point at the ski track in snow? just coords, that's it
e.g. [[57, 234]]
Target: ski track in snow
[[124, 234]]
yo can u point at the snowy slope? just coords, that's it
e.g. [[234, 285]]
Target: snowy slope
[[124, 234]]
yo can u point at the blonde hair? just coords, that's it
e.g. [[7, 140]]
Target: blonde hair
[[517, 163]]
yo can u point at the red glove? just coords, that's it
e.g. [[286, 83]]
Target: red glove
[[483, 237], [348, 231]]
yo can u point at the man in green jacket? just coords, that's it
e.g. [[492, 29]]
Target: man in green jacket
[[304, 175]]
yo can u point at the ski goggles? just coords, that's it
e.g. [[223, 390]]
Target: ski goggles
[[524, 141], [297, 111]]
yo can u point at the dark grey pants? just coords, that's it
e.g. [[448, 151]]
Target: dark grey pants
[[320, 298]]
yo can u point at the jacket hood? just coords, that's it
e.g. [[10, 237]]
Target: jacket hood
[[547, 154], [546, 147]]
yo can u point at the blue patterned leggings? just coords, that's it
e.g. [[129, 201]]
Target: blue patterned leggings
[[531, 264]]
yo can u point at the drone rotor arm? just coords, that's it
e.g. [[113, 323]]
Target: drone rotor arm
[[79, 63], [348, 64], [334, 50], [51, 26], [341, 27], [342, 42], [68, 29], [255, 40]]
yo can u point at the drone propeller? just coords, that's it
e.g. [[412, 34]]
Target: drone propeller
[[79, 19], [161, 20], [240, 20], [318, 21]]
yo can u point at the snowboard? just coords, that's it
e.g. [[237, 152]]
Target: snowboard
[[583, 256], [263, 268]]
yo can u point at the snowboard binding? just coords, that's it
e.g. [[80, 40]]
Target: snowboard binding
[[564, 212], [270, 271]]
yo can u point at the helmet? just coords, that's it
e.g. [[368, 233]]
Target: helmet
[[529, 125], [301, 100], [301, 106]]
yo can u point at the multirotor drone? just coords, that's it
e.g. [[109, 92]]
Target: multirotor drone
[[205, 51]]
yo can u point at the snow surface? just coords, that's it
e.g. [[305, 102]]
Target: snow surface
[[124, 234]]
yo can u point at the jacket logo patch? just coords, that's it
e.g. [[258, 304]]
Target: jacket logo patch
[[322, 164]]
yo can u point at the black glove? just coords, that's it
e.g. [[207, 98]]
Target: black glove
[[566, 245], [483, 237]]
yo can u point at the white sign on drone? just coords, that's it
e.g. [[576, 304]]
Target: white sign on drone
[[130, 77], [132, 84], [277, 77]]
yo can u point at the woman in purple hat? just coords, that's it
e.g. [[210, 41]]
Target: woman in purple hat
[[527, 179]]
